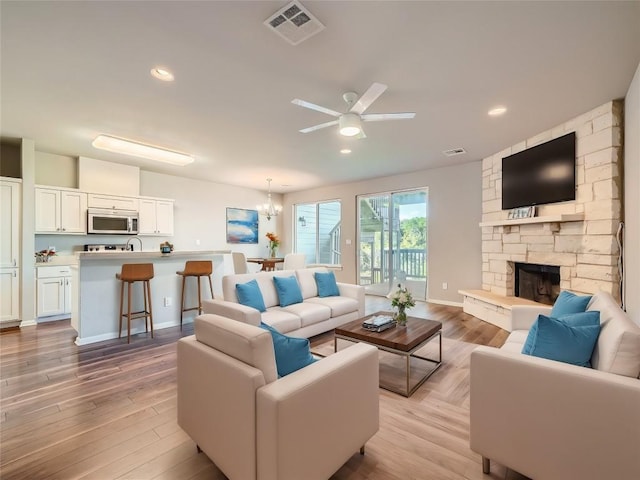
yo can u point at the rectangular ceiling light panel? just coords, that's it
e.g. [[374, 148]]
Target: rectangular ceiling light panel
[[136, 149], [294, 23]]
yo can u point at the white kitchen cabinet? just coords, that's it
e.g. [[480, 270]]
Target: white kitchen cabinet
[[10, 250], [60, 211], [113, 202], [10, 214], [9, 294], [155, 217], [54, 290]]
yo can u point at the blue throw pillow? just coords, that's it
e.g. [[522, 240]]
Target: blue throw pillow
[[249, 294], [568, 302], [572, 319], [327, 286], [558, 341], [288, 290], [291, 353]]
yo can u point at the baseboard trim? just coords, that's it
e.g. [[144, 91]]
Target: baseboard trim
[[444, 302], [111, 335]]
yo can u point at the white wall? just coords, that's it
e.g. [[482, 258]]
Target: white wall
[[58, 170], [200, 212], [632, 198], [455, 208]]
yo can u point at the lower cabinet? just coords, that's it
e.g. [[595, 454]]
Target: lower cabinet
[[9, 294], [54, 290]]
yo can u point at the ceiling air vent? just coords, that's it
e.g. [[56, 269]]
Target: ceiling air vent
[[294, 23], [454, 151]]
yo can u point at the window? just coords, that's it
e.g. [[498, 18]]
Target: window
[[317, 231]]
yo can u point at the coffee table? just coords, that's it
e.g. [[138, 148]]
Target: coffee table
[[403, 341]]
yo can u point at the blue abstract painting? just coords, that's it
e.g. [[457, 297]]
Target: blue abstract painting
[[242, 225]]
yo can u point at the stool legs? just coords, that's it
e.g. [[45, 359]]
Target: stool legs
[[210, 286], [199, 307], [120, 311], [199, 298], [147, 313], [150, 316], [129, 284], [184, 280]]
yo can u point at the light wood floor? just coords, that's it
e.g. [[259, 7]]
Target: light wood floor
[[108, 410]]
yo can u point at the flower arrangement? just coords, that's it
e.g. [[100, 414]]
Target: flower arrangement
[[43, 256], [401, 299], [274, 241]]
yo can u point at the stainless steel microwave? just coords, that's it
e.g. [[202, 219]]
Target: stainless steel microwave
[[108, 222]]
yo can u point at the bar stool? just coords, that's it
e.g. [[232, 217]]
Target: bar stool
[[131, 273], [195, 268]]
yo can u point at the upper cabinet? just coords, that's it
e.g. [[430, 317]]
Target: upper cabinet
[[10, 214], [60, 211], [155, 217], [97, 200]]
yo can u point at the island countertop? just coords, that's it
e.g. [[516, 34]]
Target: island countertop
[[120, 255]]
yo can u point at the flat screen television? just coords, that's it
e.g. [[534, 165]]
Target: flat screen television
[[542, 174]]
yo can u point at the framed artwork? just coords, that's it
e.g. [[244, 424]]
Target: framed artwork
[[524, 212], [242, 225]]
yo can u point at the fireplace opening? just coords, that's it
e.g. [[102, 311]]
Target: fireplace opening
[[540, 283]]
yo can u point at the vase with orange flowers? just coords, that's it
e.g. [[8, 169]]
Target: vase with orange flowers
[[274, 241]]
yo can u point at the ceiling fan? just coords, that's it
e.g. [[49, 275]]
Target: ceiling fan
[[350, 123]]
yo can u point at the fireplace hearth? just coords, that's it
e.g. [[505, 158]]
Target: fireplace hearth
[[540, 283]]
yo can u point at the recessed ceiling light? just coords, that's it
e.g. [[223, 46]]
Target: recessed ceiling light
[[162, 74], [345, 151], [497, 111]]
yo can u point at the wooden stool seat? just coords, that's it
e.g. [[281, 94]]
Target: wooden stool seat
[[131, 273], [195, 268]]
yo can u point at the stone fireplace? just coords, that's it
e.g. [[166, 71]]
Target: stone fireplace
[[578, 237]]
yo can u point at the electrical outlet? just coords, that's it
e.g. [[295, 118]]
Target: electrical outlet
[[167, 301], [445, 285], [197, 242]]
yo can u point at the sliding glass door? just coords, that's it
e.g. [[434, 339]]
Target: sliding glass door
[[392, 239]]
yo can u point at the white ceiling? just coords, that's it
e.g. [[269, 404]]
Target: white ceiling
[[72, 70]]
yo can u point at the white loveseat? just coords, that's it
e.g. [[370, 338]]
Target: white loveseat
[[313, 316], [551, 420], [253, 425]]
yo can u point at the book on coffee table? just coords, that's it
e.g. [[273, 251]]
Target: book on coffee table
[[379, 323]]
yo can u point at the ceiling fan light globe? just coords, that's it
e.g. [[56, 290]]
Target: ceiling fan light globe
[[350, 125]]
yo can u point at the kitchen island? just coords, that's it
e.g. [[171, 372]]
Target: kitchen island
[[96, 291]]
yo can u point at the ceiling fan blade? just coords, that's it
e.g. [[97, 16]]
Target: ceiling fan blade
[[378, 117], [313, 106], [318, 127], [368, 97]]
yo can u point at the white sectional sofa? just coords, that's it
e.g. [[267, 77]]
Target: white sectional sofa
[[551, 420], [313, 316]]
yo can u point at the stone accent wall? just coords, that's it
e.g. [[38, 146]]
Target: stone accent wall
[[586, 251]]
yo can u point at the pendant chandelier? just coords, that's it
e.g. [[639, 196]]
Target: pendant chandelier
[[269, 209]]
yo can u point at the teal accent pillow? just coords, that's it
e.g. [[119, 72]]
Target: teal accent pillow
[[288, 290], [568, 302], [249, 294], [572, 319], [291, 353], [555, 340], [327, 286]]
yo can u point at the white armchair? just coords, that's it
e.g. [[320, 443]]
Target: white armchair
[[253, 425], [551, 420]]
